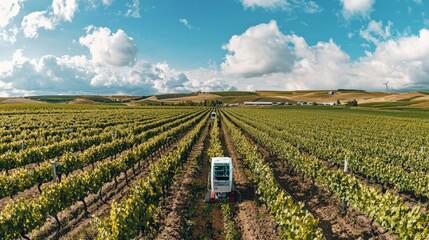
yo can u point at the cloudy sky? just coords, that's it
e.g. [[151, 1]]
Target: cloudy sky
[[144, 47]]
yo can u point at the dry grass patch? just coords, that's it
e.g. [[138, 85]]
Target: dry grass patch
[[198, 98], [19, 101], [82, 101]]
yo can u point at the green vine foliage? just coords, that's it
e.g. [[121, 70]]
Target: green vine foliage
[[388, 209], [23, 178], [22, 216], [134, 214], [294, 221]]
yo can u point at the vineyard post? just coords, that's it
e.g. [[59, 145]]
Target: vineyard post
[[21, 145], [422, 149], [346, 164], [113, 138], [54, 170]]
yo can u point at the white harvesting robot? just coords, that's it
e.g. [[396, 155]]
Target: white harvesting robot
[[220, 186]]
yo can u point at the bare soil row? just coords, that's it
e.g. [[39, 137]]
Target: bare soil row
[[186, 216]]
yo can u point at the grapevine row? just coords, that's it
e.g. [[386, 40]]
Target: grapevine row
[[22, 178], [358, 139], [134, 214], [25, 126], [49, 135], [39, 154], [215, 150], [22, 216], [380, 170], [293, 220], [388, 209]]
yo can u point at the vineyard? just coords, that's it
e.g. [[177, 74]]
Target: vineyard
[[141, 173]]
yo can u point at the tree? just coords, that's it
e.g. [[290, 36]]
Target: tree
[[352, 103]]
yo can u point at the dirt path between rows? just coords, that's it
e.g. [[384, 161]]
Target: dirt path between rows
[[174, 212], [253, 220], [205, 220]]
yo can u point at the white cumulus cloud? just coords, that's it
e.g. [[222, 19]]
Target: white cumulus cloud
[[64, 9], [403, 61], [111, 68], [262, 49], [376, 32], [107, 48], [270, 4], [360, 8], [8, 10], [206, 80], [80, 75], [32, 22], [60, 10], [9, 34]]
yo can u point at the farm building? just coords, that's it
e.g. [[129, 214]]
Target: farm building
[[327, 103], [267, 103], [231, 105], [304, 103], [258, 103]]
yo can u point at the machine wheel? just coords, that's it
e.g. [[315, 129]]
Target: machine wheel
[[237, 195], [207, 197]]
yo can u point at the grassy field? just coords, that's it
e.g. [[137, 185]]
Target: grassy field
[[395, 105], [53, 99], [290, 93], [175, 95], [81, 98], [235, 93], [239, 99]]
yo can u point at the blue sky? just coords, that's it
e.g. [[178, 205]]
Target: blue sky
[[155, 46]]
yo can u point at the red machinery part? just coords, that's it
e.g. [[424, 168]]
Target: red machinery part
[[212, 197]]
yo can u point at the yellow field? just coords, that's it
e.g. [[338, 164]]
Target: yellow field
[[19, 101], [198, 98], [82, 101]]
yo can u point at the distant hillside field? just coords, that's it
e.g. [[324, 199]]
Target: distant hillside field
[[82, 101], [174, 95], [53, 99], [365, 99], [90, 98], [234, 93], [19, 101], [196, 98]]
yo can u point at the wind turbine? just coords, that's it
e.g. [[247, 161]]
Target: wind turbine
[[387, 87]]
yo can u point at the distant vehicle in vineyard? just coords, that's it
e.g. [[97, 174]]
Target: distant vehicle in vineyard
[[220, 186], [213, 115]]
